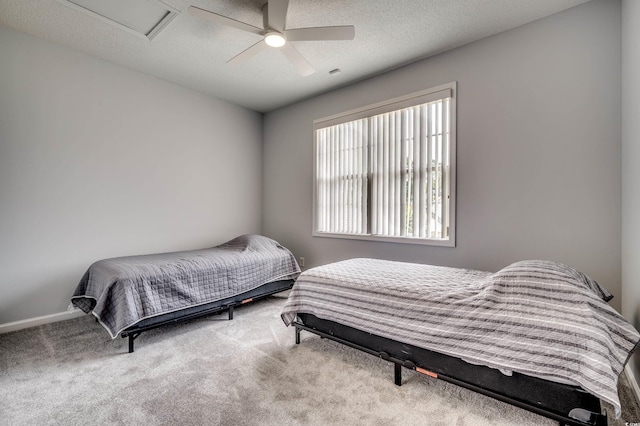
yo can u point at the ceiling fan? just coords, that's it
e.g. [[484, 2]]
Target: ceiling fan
[[275, 33]]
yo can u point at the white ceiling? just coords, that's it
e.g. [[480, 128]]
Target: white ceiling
[[193, 52]]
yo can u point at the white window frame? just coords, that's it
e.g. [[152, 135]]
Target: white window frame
[[425, 96]]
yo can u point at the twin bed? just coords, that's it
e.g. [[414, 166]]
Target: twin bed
[[536, 334], [129, 295]]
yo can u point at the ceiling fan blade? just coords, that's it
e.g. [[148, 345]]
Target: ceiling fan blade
[[277, 13], [346, 32], [248, 53], [223, 20], [301, 64]]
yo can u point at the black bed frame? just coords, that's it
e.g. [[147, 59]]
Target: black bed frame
[[194, 312], [569, 405]]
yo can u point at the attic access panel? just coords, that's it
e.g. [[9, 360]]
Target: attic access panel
[[144, 18]]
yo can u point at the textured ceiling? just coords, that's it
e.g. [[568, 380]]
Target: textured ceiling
[[193, 52]]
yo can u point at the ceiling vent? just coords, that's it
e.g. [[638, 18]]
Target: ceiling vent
[[144, 18]]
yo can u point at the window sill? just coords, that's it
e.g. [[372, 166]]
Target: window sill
[[398, 240]]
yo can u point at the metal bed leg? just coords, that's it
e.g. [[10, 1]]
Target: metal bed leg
[[297, 336], [132, 337], [397, 374], [230, 312]]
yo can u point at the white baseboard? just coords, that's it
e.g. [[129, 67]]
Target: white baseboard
[[632, 381], [33, 322]]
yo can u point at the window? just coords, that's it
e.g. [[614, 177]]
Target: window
[[387, 171]]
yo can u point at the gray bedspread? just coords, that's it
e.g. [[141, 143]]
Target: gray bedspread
[[123, 291], [538, 318]]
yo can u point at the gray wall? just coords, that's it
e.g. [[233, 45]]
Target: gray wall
[[539, 150], [99, 161], [631, 165]]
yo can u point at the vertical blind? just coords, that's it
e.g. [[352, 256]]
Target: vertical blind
[[342, 176], [386, 174]]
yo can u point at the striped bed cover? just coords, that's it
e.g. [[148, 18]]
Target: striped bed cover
[[539, 318]]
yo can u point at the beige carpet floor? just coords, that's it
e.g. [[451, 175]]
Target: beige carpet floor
[[212, 371]]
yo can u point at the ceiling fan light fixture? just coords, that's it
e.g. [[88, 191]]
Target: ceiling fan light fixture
[[274, 33], [274, 39]]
